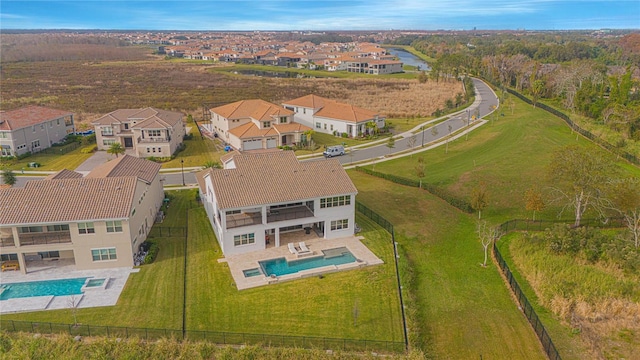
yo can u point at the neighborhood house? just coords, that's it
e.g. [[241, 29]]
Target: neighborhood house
[[98, 221], [259, 197], [33, 129], [151, 132], [256, 124], [333, 117]]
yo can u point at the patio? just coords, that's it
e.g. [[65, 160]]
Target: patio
[[239, 263]]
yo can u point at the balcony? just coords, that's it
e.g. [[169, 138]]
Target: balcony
[[289, 213], [153, 140], [6, 241], [243, 219], [51, 237], [106, 133]]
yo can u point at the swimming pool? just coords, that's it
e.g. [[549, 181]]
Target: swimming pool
[[42, 288], [280, 266]]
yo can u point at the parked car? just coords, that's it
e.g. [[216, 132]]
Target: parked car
[[332, 151]]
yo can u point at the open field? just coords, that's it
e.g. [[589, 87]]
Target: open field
[[460, 309], [50, 162], [91, 89], [154, 296], [197, 152]]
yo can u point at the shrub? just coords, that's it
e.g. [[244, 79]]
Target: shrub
[[344, 135], [86, 140], [152, 251], [89, 149], [188, 137], [23, 156]]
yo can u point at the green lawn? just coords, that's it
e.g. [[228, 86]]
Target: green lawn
[[154, 296], [460, 309], [51, 162], [196, 153]]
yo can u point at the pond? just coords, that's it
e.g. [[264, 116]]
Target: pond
[[408, 58]]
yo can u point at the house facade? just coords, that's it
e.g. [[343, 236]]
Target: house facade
[[333, 117], [33, 129], [150, 131], [374, 67], [256, 124], [257, 197], [98, 221]]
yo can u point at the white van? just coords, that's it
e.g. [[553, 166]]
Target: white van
[[332, 151]]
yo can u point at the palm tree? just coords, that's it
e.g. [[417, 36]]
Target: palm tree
[[9, 177], [116, 149]]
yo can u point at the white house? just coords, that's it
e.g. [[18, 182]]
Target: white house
[[256, 124], [259, 196], [333, 117]]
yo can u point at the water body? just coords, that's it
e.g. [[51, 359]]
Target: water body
[[408, 58]]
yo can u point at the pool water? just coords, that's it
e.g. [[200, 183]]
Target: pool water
[[42, 288], [281, 266], [95, 282], [251, 272]]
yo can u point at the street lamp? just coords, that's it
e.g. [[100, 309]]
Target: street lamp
[[422, 135], [182, 164]]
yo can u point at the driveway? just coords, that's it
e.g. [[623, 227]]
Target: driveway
[[99, 157]]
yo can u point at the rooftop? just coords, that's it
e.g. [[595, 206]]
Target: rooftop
[[29, 116]]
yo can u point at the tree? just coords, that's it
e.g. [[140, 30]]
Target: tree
[[422, 77], [434, 131], [447, 147], [116, 149], [391, 143], [533, 201], [537, 89], [372, 128], [479, 198], [625, 198], [579, 178], [420, 170], [8, 177], [487, 235], [309, 137]]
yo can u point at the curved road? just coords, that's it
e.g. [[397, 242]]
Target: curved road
[[486, 101]]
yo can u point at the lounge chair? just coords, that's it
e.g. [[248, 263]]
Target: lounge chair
[[303, 247], [292, 249]]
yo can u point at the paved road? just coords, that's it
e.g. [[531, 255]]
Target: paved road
[[486, 101]]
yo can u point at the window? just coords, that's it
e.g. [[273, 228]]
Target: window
[[20, 147], [290, 228], [51, 124], [331, 127], [49, 254], [231, 212], [304, 111], [30, 229], [33, 128], [153, 132], [148, 150], [325, 126], [318, 125], [57, 121], [244, 239], [5, 151], [35, 144], [154, 149], [107, 130], [104, 254], [339, 224], [108, 142], [86, 228], [6, 257], [114, 226], [335, 201], [126, 126], [266, 124], [58, 227], [283, 120], [41, 126], [4, 135]]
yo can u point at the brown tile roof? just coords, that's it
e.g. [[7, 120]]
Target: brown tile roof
[[63, 200], [250, 130], [64, 174], [127, 166], [29, 116], [256, 109], [292, 127], [149, 118], [277, 177], [333, 109]]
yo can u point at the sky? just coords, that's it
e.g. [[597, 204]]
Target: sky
[[320, 15]]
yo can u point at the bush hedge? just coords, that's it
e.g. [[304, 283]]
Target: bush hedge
[[152, 251]]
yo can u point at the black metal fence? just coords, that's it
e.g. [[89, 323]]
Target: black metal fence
[[540, 225], [59, 150], [388, 226], [168, 231], [218, 337], [527, 309]]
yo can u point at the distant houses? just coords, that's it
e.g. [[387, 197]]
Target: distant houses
[[150, 132], [33, 129]]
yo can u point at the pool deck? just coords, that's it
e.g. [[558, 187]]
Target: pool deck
[[65, 270], [238, 263]]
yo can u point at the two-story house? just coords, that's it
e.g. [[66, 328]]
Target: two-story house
[[256, 124], [333, 117], [374, 67], [98, 221], [257, 197], [150, 131], [33, 129]]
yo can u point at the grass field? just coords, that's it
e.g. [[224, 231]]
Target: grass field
[[51, 162], [197, 152], [154, 296], [461, 309]]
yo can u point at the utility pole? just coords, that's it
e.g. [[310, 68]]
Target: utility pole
[[182, 164]]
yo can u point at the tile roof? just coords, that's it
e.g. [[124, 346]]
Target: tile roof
[[29, 116], [333, 109], [64, 174], [256, 109], [149, 118], [292, 127], [277, 177], [64, 200], [127, 166], [250, 130]]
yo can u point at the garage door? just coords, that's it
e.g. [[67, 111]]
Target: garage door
[[252, 144], [271, 143]]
